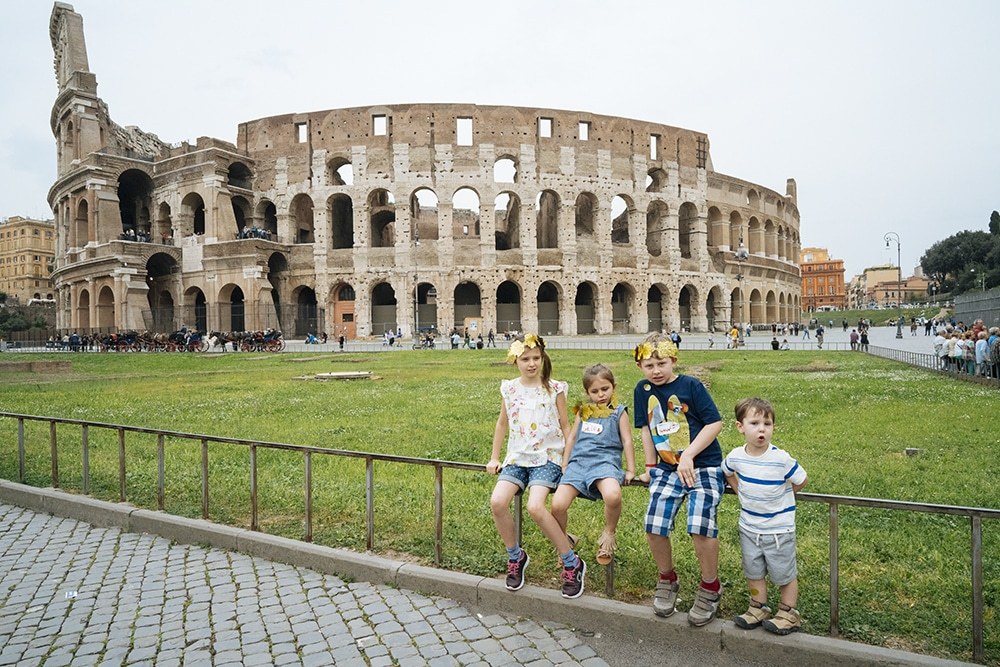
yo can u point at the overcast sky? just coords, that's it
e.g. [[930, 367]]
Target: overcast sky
[[887, 114]]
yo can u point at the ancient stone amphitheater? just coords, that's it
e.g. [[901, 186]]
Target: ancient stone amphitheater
[[413, 216]]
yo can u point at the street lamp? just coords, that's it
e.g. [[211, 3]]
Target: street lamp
[[899, 280], [741, 256], [982, 279]]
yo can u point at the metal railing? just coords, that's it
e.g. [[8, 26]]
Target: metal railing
[[975, 515], [931, 362]]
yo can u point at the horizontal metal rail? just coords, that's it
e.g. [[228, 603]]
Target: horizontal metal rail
[[974, 514], [932, 362]]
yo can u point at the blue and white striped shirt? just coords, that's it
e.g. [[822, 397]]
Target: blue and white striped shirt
[[767, 503]]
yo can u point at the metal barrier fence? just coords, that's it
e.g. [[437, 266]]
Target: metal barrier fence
[[931, 362], [975, 515]]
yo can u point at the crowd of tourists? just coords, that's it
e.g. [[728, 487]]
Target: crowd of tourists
[[973, 350]]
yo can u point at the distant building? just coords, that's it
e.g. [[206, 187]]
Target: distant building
[[27, 249], [881, 288], [822, 280]]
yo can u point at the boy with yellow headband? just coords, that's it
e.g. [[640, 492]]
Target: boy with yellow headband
[[680, 424]]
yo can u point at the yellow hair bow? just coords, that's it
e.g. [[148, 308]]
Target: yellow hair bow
[[518, 347], [663, 349]]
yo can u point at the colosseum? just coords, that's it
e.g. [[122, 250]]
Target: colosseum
[[415, 216]]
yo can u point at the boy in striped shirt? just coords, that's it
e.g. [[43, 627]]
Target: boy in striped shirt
[[766, 479]]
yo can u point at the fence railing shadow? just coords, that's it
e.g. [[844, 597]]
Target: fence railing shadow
[[974, 515]]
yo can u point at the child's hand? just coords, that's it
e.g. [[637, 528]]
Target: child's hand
[[629, 476], [493, 467], [685, 470]]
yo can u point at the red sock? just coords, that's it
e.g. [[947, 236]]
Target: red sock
[[669, 576], [713, 586]]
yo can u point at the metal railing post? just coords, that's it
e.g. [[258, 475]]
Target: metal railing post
[[438, 513], [85, 436], [20, 450], [977, 589], [309, 496], [55, 455], [369, 503], [160, 473], [834, 572], [253, 488], [121, 465], [204, 478]]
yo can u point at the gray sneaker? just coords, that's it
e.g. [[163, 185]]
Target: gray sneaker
[[665, 598], [706, 604]]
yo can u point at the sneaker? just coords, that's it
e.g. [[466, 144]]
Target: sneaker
[[706, 604], [515, 571], [572, 586], [752, 618], [665, 598], [785, 622]]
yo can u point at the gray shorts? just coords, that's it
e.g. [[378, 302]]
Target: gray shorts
[[771, 555]]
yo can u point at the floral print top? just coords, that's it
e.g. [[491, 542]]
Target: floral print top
[[534, 436]]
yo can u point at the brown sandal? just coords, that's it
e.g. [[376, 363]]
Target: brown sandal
[[606, 546]]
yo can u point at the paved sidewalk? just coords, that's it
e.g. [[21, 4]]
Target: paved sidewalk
[[73, 594]]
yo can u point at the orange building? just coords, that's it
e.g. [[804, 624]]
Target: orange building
[[822, 280]]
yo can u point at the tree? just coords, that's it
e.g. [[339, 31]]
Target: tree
[[995, 223], [949, 261]]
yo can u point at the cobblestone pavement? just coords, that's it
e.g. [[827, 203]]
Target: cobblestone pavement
[[74, 594]]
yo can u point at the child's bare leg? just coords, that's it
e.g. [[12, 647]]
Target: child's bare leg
[[790, 594], [564, 497], [543, 518], [758, 590], [662, 552], [611, 492], [707, 551], [503, 494]]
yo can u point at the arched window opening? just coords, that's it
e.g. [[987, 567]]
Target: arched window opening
[[424, 214], [547, 227], [341, 172], [341, 222], [508, 307], [301, 214], [586, 215], [192, 215], [656, 227], [686, 222], [135, 191], [656, 180], [241, 212], [383, 316], [655, 301], [548, 309], [507, 211], [585, 309], [465, 213], [621, 211], [239, 176], [382, 219], [621, 308], [468, 303]]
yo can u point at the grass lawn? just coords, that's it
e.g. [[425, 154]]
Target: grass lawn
[[905, 578]]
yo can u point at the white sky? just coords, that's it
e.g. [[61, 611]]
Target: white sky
[[887, 113]]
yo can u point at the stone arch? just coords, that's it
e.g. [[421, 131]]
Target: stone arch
[[505, 169], [687, 220], [381, 220], [161, 278], [163, 227], [300, 212], [509, 306], [770, 239], [232, 308], [424, 214], [83, 309], [586, 215], [340, 171], [755, 233], [135, 199], [468, 302], [507, 210], [771, 313], [656, 180], [548, 298], [622, 305], [340, 209], [753, 199], [192, 218], [586, 304], [656, 226], [622, 213], [758, 314], [344, 320], [717, 229], [81, 224], [195, 309], [105, 308], [547, 221], [736, 235], [465, 208], [308, 317], [657, 307], [687, 306], [267, 213], [737, 307], [383, 315], [425, 317], [242, 214], [714, 310], [239, 176], [277, 277]]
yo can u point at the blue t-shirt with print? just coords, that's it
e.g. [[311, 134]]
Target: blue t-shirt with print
[[684, 408]]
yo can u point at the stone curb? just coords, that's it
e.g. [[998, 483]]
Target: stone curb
[[585, 613]]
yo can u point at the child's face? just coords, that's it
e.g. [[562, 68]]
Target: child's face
[[657, 370], [756, 428], [600, 391], [530, 363]]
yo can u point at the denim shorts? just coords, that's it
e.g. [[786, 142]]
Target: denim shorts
[[545, 475], [770, 554]]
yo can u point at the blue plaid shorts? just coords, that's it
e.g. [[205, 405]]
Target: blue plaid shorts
[[667, 492]]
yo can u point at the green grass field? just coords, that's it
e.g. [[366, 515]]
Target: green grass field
[[905, 578]]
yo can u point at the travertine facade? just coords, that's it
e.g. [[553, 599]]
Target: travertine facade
[[26, 251], [529, 219]]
